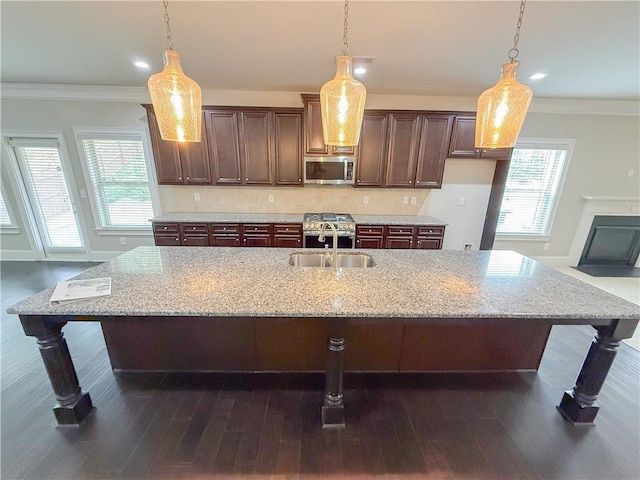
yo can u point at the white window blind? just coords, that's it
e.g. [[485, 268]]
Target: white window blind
[[41, 170], [5, 220], [531, 189], [119, 180]]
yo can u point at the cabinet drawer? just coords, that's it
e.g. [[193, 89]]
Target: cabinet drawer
[[287, 241], [194, 228], [288, 229], [429, 243], [195, 240], [251, 228], [425, 230], [167, 239], [224, 241], [400, 230], [369, 231], [166, 227], [224, 228]]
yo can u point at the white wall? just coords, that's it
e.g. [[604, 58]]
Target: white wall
[[606, 148]]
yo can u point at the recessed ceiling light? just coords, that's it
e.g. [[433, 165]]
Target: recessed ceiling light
[[538, 76], [141, 64], [360, 70]]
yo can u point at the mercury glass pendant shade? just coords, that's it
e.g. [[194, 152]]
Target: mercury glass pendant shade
[[342, 105], [501, 110], [177, 101]]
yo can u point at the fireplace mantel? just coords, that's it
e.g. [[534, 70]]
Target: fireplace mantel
[[599, 205]]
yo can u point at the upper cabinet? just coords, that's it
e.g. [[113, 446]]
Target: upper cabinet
[[402, 149], [240, 146], [463, 138], [313, 137], [178, 163]]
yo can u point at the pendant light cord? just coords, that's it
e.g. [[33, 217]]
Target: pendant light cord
[[345, 44], [514, 52], [166, 20]]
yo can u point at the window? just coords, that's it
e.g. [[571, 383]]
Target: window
[[5, 220], [533, 184], [117, 172]]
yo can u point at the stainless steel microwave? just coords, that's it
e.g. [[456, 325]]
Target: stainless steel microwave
[[329, 170]]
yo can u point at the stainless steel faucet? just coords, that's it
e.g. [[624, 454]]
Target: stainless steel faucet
[[321, 237]]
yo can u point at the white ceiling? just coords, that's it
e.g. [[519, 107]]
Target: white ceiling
[[591, 49]]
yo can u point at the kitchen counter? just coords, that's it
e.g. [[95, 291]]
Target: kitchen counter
[[232, 309], [179, 217], [259, 282]]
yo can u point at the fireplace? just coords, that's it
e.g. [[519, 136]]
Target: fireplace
[[613, 240]]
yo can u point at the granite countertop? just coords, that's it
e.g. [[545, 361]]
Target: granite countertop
[[292, 218], [397, 220], [248, 282]]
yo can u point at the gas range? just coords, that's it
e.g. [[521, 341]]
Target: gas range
[[344, 223]]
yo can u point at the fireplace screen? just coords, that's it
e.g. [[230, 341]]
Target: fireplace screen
[[612, 240]]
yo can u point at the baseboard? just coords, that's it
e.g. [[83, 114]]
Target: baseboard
[[553, 260]]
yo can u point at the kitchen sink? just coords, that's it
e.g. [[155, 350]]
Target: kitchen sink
[[309, 259], [317, 259]]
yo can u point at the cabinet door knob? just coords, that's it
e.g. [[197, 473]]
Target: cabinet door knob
[[164, 228], [187, 178], [179, 178], [299, 179], [417, 181], [238, 178], [247, 179], [409, 181], [194, 228]]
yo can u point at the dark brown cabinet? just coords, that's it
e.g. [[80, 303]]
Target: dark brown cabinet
[[178, 163], [434, 138], [429, 237], [287, 147], [402, 148], [255, 146], [313, 137], [399, 236], [287, 235], [369, 236], [223, 137], [371, 160], [225, 235], [194, 234], [256, 235], [463, 142]]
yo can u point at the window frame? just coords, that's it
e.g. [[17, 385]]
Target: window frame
[[567, 144], [12, 226], [111, 133]]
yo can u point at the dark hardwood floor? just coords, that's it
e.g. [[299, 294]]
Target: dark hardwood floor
[[197, 426]]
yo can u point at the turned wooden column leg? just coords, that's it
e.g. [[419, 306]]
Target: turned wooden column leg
[[73, 405], [579, 404], [333, 408]]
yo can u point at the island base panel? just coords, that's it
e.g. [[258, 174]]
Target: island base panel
[[300, 345]]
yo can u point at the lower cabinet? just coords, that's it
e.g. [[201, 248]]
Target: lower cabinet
[[289, 235], [427, 237]]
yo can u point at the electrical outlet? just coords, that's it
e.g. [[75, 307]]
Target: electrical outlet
[[630, 173], [413, 200], [405, 200], [123, 241], [467, 246], [546, 246], [365, 199], [196, 197], [461, 201], [271, 198]]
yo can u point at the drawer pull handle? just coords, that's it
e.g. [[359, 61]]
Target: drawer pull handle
[[164, 228]]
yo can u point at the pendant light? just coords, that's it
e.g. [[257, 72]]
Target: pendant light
[[342, 100], [176, 99], [503, 107]]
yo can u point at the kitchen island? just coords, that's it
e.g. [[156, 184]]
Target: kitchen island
[[248, 309]]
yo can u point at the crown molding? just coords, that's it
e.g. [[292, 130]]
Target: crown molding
[[223, 97], [39, 91]]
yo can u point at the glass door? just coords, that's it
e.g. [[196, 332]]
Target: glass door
[[47, 194]]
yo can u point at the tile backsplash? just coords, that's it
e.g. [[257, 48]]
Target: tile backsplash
[[311, 198]]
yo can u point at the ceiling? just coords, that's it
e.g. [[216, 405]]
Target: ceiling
[[590, 49]]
